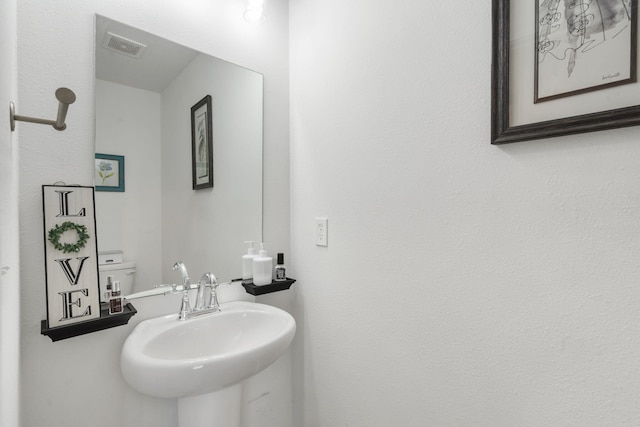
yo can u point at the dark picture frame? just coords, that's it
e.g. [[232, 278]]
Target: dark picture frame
[[109, 172], [202, 144], [504, 130]]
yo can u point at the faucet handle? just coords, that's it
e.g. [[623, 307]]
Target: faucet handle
[[213, 305], [185, 307]]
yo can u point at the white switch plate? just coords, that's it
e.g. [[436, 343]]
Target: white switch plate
[[322, 232]]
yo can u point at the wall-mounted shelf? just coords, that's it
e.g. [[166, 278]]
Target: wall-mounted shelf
[[275, 286], [105, 321]]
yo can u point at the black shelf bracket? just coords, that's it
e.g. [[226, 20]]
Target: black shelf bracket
[[274, 286], [105, 321]]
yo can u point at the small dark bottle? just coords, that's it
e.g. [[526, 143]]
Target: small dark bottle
[[107, 294], [280, 270], [115, 302]]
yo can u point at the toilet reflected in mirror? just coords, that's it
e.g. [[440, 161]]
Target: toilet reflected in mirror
[[143, 106], [123, 272]]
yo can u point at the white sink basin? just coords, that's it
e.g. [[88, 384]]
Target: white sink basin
[[165, 357]]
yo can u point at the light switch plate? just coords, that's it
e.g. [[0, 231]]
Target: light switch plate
[[322, 232]]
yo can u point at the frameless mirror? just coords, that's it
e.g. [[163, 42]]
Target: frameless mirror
[[146, 204]]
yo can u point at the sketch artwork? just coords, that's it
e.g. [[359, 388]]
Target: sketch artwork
[[202, 166], [583, 45]]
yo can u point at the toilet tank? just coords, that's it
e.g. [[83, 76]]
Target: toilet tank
[[123, 272]]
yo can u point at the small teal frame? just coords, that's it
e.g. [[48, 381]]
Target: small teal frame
[[111, 158]]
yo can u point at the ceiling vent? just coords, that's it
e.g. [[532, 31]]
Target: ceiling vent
[[123, 45]]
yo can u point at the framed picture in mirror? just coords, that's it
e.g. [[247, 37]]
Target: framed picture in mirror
[[109, 172], [202, 144]]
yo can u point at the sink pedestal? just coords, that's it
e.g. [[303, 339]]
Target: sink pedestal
[[218, 409]]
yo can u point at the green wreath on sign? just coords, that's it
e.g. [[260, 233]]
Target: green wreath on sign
[[56, 232]]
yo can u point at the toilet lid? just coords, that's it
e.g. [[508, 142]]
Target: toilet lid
[[120, 266]]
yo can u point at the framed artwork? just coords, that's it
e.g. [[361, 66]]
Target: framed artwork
[[563, 67], [71, 255], [202, 144], [109, 172]]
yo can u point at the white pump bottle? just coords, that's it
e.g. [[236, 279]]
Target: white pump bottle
[[247, 261], [262, 268]]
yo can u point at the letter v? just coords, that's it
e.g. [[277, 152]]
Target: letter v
[[72, 276]]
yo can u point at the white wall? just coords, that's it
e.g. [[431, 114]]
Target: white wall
[[9, 247], [55, 46], [128, 124], [464, 283]]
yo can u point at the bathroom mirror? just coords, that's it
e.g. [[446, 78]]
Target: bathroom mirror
[[146, 87]]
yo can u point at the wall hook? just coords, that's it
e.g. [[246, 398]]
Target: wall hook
[[64, 95]]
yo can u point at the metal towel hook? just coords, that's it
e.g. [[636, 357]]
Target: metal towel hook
[[64, 95]]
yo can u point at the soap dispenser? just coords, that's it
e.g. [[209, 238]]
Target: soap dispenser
[[247, 261], [262, 268]]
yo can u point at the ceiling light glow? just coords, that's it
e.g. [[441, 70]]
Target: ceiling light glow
[[255, 11]]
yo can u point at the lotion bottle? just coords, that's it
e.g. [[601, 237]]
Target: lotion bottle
[[247, 262], [262, 268], [115, 302], [106, 296]]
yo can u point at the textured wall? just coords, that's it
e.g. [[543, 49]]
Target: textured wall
[[9, 247], [55, 48], [463, 284]]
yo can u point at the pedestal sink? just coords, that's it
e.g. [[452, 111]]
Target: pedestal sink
[[202, 361]]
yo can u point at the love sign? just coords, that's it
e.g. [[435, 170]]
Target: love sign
[[71, 254]]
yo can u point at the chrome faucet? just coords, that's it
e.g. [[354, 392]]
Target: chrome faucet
[[202, 306]]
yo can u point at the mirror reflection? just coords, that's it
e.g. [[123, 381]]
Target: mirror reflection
[[145, 89]]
